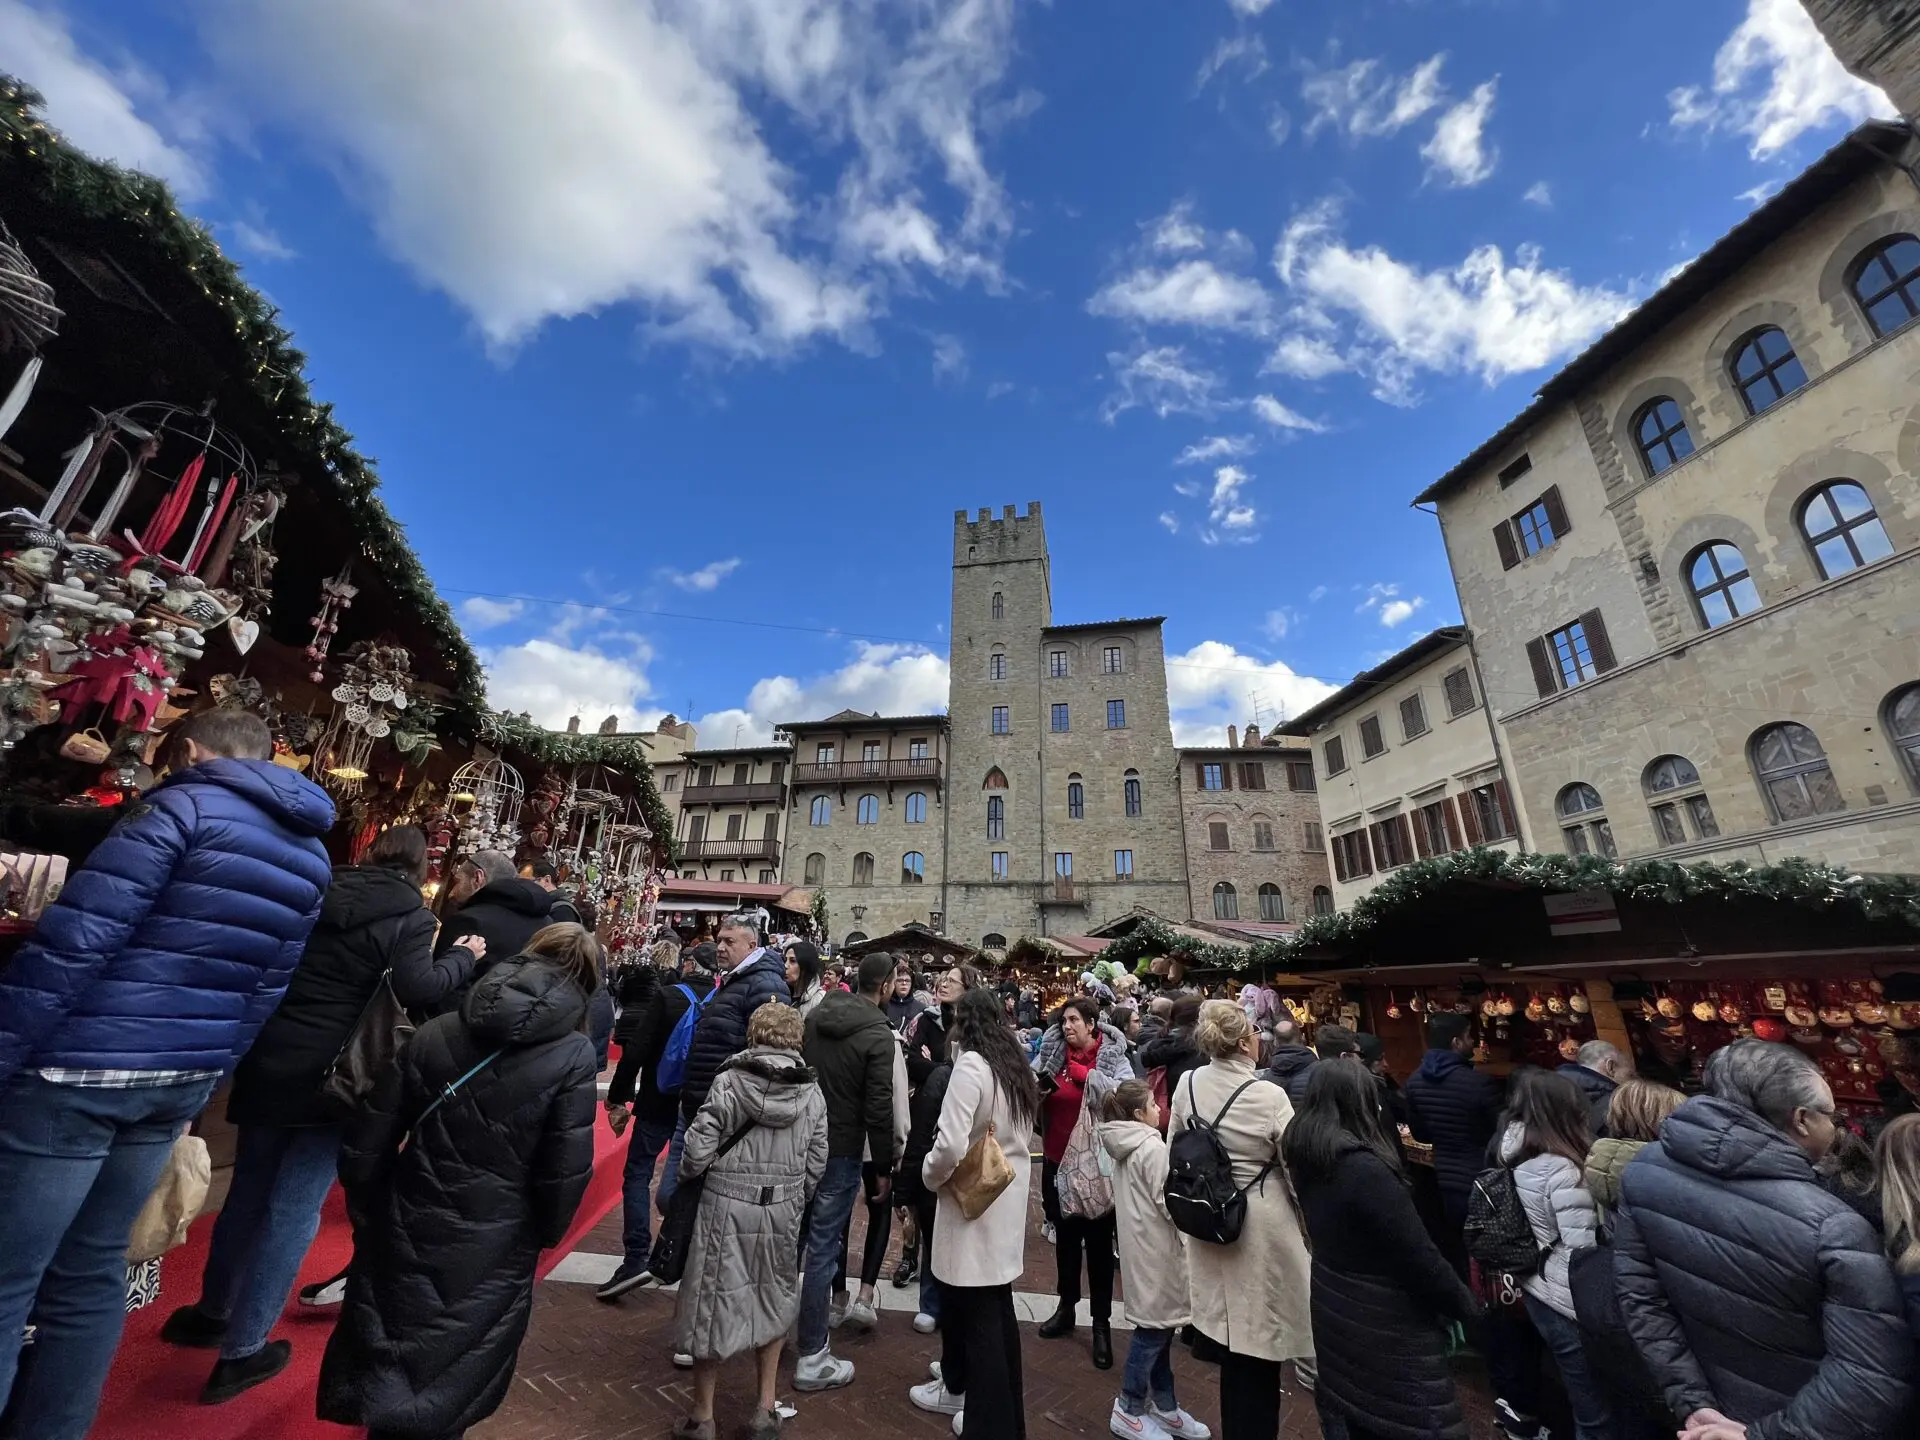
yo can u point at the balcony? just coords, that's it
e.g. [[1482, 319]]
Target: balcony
[[765, 792], [1063, 892], [766, 848], [847, 772]]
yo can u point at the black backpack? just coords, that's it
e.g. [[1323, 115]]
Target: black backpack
[[1201, 1195], [1498, 1233]]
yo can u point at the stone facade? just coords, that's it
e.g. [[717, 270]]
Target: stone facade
[[1252, 820], [1830, 645], [731, 823], [1878, 40], [867, 811]]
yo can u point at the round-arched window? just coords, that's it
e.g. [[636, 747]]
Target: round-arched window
[[1226, 902]]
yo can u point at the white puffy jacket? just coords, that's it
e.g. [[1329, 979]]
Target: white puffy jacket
[[1561, 1211]]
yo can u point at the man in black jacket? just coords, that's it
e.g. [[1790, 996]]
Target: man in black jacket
[[507, 912], [1598, 1071], [657, 1112], [1454, 1108], [1292, 1063]]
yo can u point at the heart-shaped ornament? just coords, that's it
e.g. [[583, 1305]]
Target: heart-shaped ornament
[[243, 633]]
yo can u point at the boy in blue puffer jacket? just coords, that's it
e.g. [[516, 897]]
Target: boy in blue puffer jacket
[[143, 984]]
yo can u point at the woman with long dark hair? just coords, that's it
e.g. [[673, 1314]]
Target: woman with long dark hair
[[977, 1261], [1382, 1291]]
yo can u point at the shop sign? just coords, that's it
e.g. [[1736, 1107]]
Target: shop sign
[[1584, 912]]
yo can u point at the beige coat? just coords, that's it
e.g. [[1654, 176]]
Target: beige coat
[[993, 1249], [1151, 1255], [1251, 1296]]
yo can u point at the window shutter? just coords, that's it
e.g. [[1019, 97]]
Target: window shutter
[[1339, 860], [1404, 828], [1509, 548], [1199, 775], [1470, 819], [1545, 678], [1450, 813], [1556, 512], [1420, 845], [1364, 854], [1597, 642], [1505, 802], [1226, 777], [1379, 845], [772, 831]]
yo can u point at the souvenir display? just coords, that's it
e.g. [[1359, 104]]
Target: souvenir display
[[374, 689]]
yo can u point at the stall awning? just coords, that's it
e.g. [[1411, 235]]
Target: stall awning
[[707, 895]]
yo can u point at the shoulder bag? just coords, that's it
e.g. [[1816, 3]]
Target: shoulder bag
[[668, 1262], [983, 1173], [372, 1049]]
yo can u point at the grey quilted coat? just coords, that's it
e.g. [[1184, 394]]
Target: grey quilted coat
[[741, 1289]]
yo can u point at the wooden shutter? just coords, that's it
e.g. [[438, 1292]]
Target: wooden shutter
[[1556, 512], [1509, 547], [1217, 835], [772, 831], [1505, 802], [1450, 813], [1364, 855], [1598, 644], [1404, 828], [1199, 775], [1420, 845], [697, 829], [1339, 860], [1546, 679], [1226, 776], [1470, 819], [1379, 848]]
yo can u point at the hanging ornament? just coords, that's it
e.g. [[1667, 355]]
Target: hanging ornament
[[359, 719], [336, 597]]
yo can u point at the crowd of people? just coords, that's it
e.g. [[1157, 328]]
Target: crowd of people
[[1734, 1263]]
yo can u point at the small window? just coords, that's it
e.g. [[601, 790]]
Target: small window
[[1076, 800], [1123, 864], [1886, 282], [821, 811], [1336, 753], [1902, 712], [1213, 777], [1110, 663], [996, 667], [917, 750], [993, 941], [1273, 908], [1722, 588], [995, 780], [999, 606], [1372, 742], [1116, 714], [1313, 835], [996, 818], [1263, 835], [917, 808], [1002, 720], [1393, 842], [1670, 772], [670, 783], [1226, 902], [1514, 471], [823, 754], [742, 774], [1059, 718], [1660, 431], [1765, 369], [816, 871], [767, 877], [1534, 527], [1582, 825], [1840, 524], [1217, 838], [863, 869], [1253, 775], [999, 864], [1432, 833], [726, 875], [1413, 717], [1793, 773], [870, 755], [1489, 814], [1459, 688], [1057, 664], [913, 868], [1322, 900], [705, 776], [1062, 865], [1352, 857], [1132, 788], [867, 810], [1300, 775], [1573, 653], [1578, 800]]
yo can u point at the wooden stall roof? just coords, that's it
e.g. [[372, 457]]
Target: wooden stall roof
[[911, 938]]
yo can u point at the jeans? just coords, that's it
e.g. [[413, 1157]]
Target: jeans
[[281, 1175], [1073, 1236], [1592, 1417], [879, 1233], [76, 1165], [670, 1177], [980, 1359], [1149, 1372], [930, 1288], [650, 1137], [826, 1223], [1249, 1397]]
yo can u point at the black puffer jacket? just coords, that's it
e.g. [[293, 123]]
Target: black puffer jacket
[[640, 1055], [373, 920], [722, 1031], [1752, 1291], [1454, 1108], [507, 914], [927, 1100], [927, 1043], [1174, 1052], [1599, 1092], [1290, 1068], [1382, 1293], [448, 1231]]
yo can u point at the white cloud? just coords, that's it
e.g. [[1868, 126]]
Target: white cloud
[[1317, 594], [553, 680], [260, 242], [1279, 623], [949, 358], [1249, 8], [651, 153], [96, 107], [1162, 379], [482, 612], [1361, 102], [1282, 418], [1458, 152], [1774, 79], [1309, 357], [1395, 611], [1758, 195], [1171, 521], [1192, 292], [1176, 232], [1000, 387], [707, 577], [1389, 604], [1279, 125], [1213, 686], [1486, 315], [889, 679], [1231, 520], [1539, 193], [1215, 447], [1249, 52]]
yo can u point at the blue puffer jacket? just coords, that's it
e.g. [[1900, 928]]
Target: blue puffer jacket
[[1454, 1108], [170, 947], [722, 1030]]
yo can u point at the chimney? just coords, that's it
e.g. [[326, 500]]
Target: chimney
[[610, 725], [573, 725], [1233, 738]]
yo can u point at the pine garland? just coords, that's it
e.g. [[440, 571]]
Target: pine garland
[[558, 747]]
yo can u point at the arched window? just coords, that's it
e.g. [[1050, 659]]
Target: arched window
[[1583, 825], [1722, 588], [1273, 909], [816, 873], [1133, 793], [1903, 724], [821, 811], [1660, 430], [1226, 902], [996, 818], [913, 868], [1840, 524], [1322, 900], [1765, 369], [917, 808], [1673, 785], [995, 780], [1886, 282], [1076, 798], [1793, 773], [999, 606], [867, 810], [854, 937], [993, 940], [863, 868]]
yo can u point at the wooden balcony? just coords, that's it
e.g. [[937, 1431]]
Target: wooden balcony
[[763, 793], [1063, 892], [751, 849], [847, 772]]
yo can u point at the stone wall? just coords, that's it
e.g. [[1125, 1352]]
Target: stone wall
[[1878, 40], [1295, 862]]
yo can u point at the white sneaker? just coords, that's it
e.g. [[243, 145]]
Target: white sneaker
[[324, 1294], [682, 1360], [933, 1370], [934, 1396], [1179, 1424], [837, 1313], [1046, 1232], [959, 1421], [861, 1316], [822, 1371], [925, 1324], [1135, 1427]]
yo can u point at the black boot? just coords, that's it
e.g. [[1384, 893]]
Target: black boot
[[1059, 1325], [906, 1270], [1102, 1346], [194, 1328], [236, 1377]]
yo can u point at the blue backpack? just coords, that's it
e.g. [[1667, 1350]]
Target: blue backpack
[[671, 1072]]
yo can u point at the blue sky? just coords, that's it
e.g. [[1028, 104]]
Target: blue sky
[[720, 308]]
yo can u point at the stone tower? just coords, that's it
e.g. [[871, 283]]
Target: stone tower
[[1878, 40]]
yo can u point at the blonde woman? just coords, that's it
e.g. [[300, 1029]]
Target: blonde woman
[[1896, 1155], [1250, 1298], [1634, 1117]]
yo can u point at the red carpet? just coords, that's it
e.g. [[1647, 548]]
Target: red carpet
[[152, 1392]]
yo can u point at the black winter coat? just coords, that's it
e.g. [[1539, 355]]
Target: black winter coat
[[1599, 1092], [1454, 1108], [927, 1043], [850, 1047], [1614, 1362], [1752, 1291], [372, 921], [506, 914], [927, 1101], [1290, 1068], [640, 1056], [1382, 1293], [722, 1031], [448, 1231], [1175, 1053], [636, 986]]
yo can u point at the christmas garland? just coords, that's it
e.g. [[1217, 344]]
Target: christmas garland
[[565, 747], [1796, 881]]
